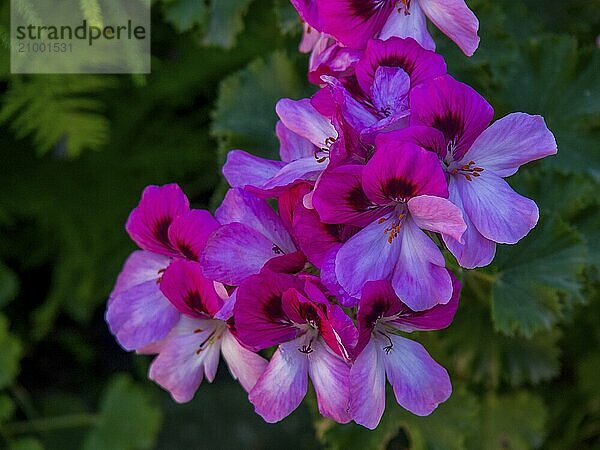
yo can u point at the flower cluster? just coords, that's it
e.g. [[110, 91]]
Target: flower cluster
[[388, 166]]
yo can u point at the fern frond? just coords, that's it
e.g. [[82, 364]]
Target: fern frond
[[92, 12], [57, 110]]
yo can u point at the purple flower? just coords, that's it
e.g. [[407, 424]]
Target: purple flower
[[400, 191], [251, 236], [192, 349], [420, 384], [354, 22], [164, 227], [453, 120], [312, 334]]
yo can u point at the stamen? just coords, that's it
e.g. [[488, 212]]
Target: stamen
[[468, 171], [387, 348], [277, 250], [306, 349], [208, 340]]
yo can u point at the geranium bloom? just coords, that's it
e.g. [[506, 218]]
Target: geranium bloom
[[192, 349], [453, 120], [164, 227], [400, 191], [312, 334], [251, 235], [420, 384], [354, 22]]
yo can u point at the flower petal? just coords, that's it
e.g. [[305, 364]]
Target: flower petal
[[140, 315], [454, 108], [420, 384], [420, 278], [243, 169], [390, 90], [244, 365], [496, 210], [354, 23], [291, 145], [259, 317], [236, 251], [245, 208], [189, 291], [412, 25], [367, 387], [148, 223], [339, 197], [406, 54], [140, 266], [438, 215], [475, 251], [300, 117], [180, 364], [511, 142], [284, 383], [330, 377], [402, 171], [455, 20], [189, 232]]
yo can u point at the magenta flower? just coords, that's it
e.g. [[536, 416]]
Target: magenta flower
[[164, 227], [312, 334], [354, 22], [401, 191], [420, 384], [192, 349], [251, 236], [476, 157]]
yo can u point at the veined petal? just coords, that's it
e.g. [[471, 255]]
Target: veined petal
[[330, 377], [179, 367], [420, 384], [235, 251], [189, 291], [455, 20], [367, 387], [148, 223], [258, 312], [406, 54], [390, 90], [454, 108], [496, 210], [339, 197], [438, 215], [367, 256], [244, 365], [511, 142], [291, 145], [476, 250], [140, 315], [283, 385], [419, 276], [140, 266], [189, 232], [412, 25], [243, 169], [354, 23], [402, 171], [302, 118], [245, 208], [304, 169], [425, 137]]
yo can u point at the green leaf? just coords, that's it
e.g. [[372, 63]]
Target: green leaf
[[7, 408], [9, 285], [185, 14], [26, 444], [244, 115], [128, 419], [514, 421], [10, 356], [59, 112], [226, 22], [92, 12], [536, 277], [445, 429]]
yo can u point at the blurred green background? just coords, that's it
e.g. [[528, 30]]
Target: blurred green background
[[76, 152]]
